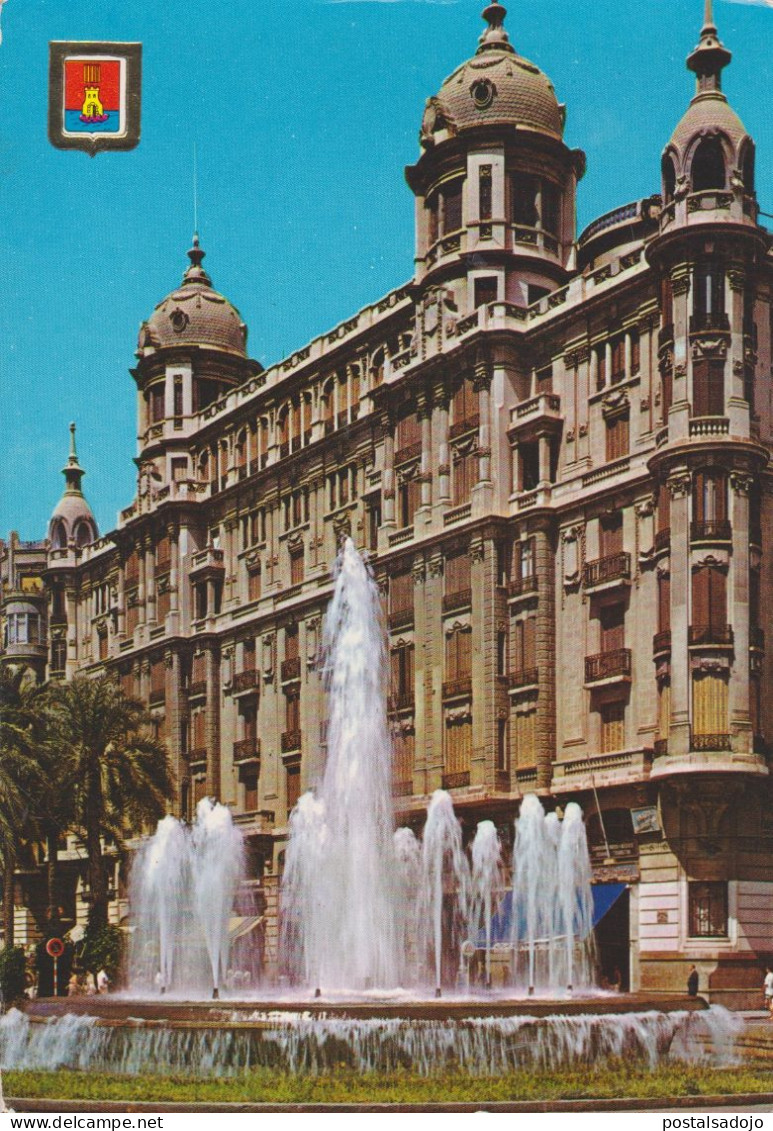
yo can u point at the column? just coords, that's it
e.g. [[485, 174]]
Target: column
[[388, 475], [121, 599], [425, 418], [150, 580], [441, 400], [738, 614], [174, 573], [544, 460], [212, 726], [680, 486], [545, 644], [482, 386], [141, 590]]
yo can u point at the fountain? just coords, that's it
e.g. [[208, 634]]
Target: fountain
[[374, 923], [183, 887]]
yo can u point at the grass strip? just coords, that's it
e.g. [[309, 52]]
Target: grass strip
[[347, 1086]]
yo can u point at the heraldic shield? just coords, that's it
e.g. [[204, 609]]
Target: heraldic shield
[[94, 95]]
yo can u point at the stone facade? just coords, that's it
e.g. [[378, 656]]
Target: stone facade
[[556, 452]]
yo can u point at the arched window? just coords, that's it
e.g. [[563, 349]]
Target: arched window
[[204, 467], [82, 534], [669, 179], [377, 367], [747, 167], [708, 166], [58, 535]]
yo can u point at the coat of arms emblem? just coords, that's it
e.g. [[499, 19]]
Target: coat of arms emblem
[[94, 95]]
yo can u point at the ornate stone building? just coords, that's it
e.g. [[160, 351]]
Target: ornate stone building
[[556, 450]]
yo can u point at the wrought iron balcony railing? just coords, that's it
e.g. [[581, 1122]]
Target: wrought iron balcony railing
[[246, 680], [455, 688], [291, 669], [711, 634], [615, 567], [462, 599], [608, 665], [714, 528]]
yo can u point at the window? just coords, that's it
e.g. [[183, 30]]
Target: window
[[612, 619], [464, 408], [179, 469], [709, 711], [408, 501], [669, 178], [502, 653], [457, 573], [250, 782], [709, 605], [291, 642], [503, 760], [465, 476], [485, 290], [708, 909], [618, 436], [458, 752], [451, 207], [601, 366], [612, 727], [58, 655], [525, 200], [296, 566], [402, 675], [178, 396], [157, 402], [666, 301], [611, 535], [408, 432], [484, 192], [709, 289], [525, 648], [254, 582], [528, 456], [293, 787], [373, 522], [525, 558], [635, 352], [710, 497], [459, 653], [708, 387], [401, 593], [551, 207], [664, 603], [525, 739], [293, 710], [708, 165], [618, 360], [404, 745]]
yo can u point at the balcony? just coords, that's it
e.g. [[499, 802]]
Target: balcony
[[401, 618], [462, 427], [709, 323], [291, 741], [157, 697], [522, 586], [712, 634], [711, 530], [291, 669], [245, 681], [462, 599], [408, 453], [605, 571], [663, 539], [710, 742], [247, 752], [666, 335], [609, 667], [458, 688], [209, 561], [661, 642], [502, 781], [660, 747], [544, 409], [525, 677], [404, 700], [198, 689], [456, 781], [198, 760]]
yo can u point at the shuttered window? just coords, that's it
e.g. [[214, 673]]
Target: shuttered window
[[458, 752]]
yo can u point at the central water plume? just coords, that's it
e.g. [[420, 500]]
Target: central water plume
[[339, 890]]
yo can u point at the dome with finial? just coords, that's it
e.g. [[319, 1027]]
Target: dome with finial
[[497, 86], [194, 314], [710, 141], [72, 522]]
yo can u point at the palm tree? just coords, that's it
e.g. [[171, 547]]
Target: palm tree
[[20, 777], [116, 771]]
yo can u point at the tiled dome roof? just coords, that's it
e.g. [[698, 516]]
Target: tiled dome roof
[[496, 87], [195, 314], [709, 113]]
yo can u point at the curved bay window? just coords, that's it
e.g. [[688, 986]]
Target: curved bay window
[[708, 297], [709, 606], [708, 387]]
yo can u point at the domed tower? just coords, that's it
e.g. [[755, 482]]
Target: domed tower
[[191, 352], [71, 527], [709, 252], [495, 185]]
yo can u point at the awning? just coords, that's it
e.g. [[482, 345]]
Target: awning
[[604, 898], [239, 926]]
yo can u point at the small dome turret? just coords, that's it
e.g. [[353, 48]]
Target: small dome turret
[[194, 314], [72, 523], [710, 147]]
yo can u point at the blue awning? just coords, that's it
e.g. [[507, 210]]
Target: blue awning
[[604, 898]]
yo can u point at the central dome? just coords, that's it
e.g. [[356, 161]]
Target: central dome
[[496, 87]]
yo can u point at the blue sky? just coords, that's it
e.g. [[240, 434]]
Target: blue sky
[[304, 115]]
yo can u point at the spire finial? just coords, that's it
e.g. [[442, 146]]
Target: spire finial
[[710, 57], [495, 37], [72, 471], [196, 273]]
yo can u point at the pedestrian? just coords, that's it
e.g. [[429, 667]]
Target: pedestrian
[[692, 982], [767, 986], [103, 982]]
